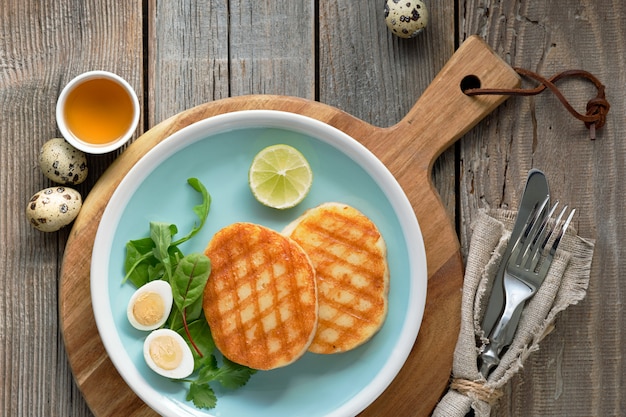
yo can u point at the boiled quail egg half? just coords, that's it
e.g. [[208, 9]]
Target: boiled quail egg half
[[167, 354], [150, 305]]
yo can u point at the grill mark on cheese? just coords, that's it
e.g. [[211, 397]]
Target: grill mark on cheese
[[349, 256], [261, 300]]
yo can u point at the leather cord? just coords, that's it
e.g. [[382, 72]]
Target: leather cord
[[597, 107]]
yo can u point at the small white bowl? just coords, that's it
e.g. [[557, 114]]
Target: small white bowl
[[80, 143]]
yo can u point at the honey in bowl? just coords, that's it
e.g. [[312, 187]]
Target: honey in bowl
[[98, 111]]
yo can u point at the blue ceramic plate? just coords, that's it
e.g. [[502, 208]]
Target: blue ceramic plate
[[218, 151]]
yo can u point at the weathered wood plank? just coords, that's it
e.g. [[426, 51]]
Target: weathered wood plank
[[188, 60], [42, 46], [272, 48], [205, 51], [376, 76], [580, 367], [202, 51]]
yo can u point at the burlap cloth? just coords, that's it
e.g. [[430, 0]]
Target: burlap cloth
[[566, 284]]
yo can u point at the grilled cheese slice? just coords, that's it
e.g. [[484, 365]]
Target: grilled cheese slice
[[350, 259], [261, 299]]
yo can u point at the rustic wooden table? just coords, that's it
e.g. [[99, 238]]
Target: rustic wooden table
[[181, 54]]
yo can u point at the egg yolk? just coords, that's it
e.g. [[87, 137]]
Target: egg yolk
[[166, 352], [148, 308]]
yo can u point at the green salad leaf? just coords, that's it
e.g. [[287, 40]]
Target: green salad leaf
[[202, 395], [159, 257], [201, 210], [188, 285], [190, 279], [230, 375]]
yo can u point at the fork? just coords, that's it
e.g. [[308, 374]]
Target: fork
[[526, 269]]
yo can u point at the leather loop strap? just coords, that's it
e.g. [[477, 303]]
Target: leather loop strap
[[597, 107]]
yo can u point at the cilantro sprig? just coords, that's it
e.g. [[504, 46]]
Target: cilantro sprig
[[159, 257]]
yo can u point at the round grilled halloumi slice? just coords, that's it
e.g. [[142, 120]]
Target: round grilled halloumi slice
[[261, 299], [350, 259]]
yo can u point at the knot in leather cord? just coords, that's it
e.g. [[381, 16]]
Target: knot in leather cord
[[597, 107]]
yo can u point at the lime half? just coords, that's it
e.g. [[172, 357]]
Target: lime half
[[280, 176]]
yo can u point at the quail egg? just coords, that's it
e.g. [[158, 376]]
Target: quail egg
[[406, 18], [63, 163], [150, 305], [167, 354], [53, 208]]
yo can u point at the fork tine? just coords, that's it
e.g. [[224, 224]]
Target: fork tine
[[534, 217], [531, 227], [533, 251], [558, 238], [556, 224], [545, 264]]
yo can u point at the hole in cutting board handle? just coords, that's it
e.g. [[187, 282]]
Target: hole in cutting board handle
[[468, 82]]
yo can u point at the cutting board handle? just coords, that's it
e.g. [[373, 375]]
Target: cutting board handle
[[444, 113]]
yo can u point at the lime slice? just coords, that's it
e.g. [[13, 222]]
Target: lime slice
[[280, 176]]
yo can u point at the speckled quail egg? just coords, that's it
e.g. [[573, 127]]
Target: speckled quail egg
[[167, 354], [150, 305], [406, 18], [53, 208], [63, 163]]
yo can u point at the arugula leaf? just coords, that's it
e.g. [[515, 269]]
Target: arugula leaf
[[161, 234], [201, 210], [202, 395], [142, 246], [156, 271], [147, 260]]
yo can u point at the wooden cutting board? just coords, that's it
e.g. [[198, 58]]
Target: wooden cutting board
[[409, 149]]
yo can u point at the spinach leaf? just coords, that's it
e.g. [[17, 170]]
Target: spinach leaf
[[138, 262], [189, 279], [188, 284], [192, 313], [201, 334]]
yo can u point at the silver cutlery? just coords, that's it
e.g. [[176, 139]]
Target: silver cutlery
[[525, 271], [535, 191]]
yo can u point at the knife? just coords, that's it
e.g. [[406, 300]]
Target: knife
[[535, 192]]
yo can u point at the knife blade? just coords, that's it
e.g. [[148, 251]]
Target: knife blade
[[535, 192]]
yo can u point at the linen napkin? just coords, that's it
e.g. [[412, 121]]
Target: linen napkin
[[566, 284]]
